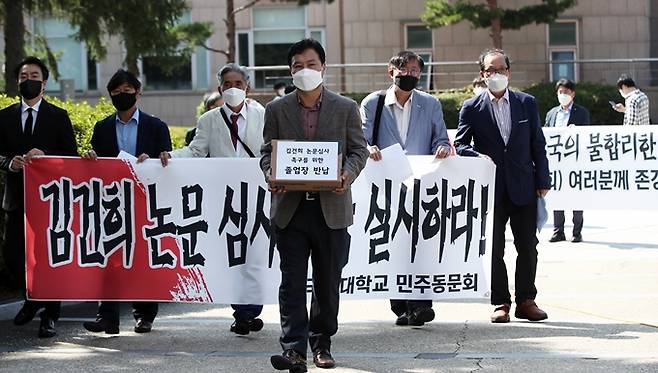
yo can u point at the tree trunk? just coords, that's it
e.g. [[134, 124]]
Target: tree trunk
[[496, 34], [14, 30], [131, 56], [230, 31]]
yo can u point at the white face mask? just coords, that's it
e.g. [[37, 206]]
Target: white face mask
[[478, 90], [564, 99], [497, 82], [234, 96], [624, 95], [307, 79], [281, 92]]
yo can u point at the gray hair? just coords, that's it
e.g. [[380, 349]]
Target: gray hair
[[230, 67]]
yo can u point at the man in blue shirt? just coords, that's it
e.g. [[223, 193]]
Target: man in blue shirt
[[135, 132]]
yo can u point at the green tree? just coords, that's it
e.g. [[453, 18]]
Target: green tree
[[12, 13], [146, 28], [443, 12]]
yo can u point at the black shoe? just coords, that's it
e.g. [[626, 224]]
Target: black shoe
[[402, 320], [322, 359], [47, 328], [291, 360], [101, 325], [557, 237], [243, 327], [25, 315], [577, 238], [143, 326], [421, 315]]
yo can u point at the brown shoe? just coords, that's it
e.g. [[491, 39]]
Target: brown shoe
[[528, 310], [501, 314], [322, 359]]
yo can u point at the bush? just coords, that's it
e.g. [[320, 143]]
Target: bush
[[592, 96]]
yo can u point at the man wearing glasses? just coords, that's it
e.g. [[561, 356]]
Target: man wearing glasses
[[414, 119], [504, 126]]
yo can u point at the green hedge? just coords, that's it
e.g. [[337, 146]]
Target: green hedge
[[592, 96]]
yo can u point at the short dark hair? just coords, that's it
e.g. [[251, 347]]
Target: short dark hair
[[625, 80], [302, 45], [404, 57], [566, 83], [289, 88], [487, 52], [123, 76], [279, 85], [31, 60]]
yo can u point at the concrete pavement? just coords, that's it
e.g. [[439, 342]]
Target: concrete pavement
[[601, 296]]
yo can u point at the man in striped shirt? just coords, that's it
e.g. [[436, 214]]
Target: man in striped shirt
[[636, 105]]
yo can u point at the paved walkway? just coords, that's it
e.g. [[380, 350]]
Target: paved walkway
[[601, 296]]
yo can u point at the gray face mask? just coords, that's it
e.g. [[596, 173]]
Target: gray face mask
[[497, 82]]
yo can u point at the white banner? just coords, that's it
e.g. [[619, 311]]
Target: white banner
[[420, 230]]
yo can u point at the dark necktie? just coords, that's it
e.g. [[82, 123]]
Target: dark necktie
[[27, 132], [234, 129]]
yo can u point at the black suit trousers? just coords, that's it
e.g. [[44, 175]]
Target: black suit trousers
[[558, 222], [14, 256], [523, 221], [110, 311], [306, 235]]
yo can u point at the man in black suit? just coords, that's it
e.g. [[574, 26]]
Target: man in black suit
[[568, 113], [134, 132], [504, 126], [28, 129]]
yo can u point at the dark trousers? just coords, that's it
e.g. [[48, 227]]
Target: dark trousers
[[246, 311], [558, 222], [400, 306], [307, 235], [110, 311], [14, 256], [523, 222]]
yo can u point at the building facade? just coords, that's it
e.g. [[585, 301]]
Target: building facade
[[607, 38]]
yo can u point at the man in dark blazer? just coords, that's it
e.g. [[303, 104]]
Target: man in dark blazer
[[504, 126], [144, 136], [30, 128], [306, 223], [567, 113]]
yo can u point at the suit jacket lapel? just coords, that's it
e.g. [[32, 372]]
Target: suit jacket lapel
[[293, 115], [493, 124], [515, 109], [415, 108], [38, 126], [112, 134], [141, 134]]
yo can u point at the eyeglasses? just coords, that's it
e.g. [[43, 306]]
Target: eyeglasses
[[412, 72], [491, 71]]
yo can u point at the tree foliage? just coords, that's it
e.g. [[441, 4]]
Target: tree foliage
[[480, 15]]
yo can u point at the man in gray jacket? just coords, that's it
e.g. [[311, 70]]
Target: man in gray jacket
[[308, 223]]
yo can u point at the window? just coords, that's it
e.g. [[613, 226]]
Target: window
[[176, 72], [563, 49], [419, 39], [71, 54]]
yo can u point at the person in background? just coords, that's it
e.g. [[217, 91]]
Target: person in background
[[479, 85], [279, 90], [210, 101], [567, 113], [636, 102]]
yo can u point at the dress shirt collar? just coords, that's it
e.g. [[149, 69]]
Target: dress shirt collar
[[135, 116], [24, 106], [492, 97], [242, 112], [391, 98]]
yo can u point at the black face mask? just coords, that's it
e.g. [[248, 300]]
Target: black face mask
[[30, 89], [406, 82], [124, 101]]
